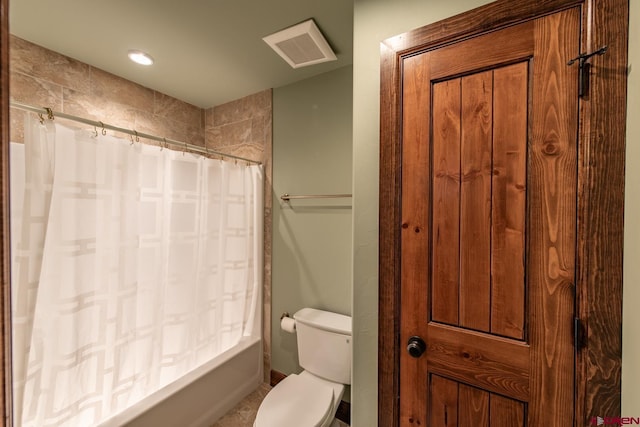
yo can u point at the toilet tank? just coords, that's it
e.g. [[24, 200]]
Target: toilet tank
[[324, 344]]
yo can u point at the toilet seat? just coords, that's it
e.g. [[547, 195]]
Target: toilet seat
[[296, 401]]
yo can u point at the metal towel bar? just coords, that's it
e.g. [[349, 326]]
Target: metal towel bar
[[286, 197]]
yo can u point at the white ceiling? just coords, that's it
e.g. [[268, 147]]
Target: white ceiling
[[207, 52]]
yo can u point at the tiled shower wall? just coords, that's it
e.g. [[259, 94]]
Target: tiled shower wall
[[43, 78], [244, 128]]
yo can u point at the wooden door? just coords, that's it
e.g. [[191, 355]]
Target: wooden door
[[488, 240]]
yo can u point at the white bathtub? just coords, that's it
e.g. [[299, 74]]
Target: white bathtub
[[203, 395]]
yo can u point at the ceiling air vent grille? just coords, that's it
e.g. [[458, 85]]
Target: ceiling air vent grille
[[301, 45]]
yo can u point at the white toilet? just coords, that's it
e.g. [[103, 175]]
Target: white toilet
[[311, 398]]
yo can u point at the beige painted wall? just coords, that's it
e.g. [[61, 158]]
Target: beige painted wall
[[376, 20], [312, 154], [631, 292]]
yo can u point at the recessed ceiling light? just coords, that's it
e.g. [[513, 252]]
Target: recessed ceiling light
[[140, 57]]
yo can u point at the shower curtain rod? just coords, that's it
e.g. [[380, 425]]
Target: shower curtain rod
[[166, 141]]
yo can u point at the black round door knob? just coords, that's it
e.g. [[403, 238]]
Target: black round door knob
[[416, 346]]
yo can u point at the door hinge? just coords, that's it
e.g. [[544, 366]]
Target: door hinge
[[578, 337], [584, 69]]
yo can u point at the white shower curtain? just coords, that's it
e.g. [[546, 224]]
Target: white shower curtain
[[132, 266]]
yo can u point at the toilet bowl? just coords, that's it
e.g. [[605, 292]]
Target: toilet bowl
[[311, 398], [300, 400]]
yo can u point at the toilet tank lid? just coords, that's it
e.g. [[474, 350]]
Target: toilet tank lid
[[325, 320]]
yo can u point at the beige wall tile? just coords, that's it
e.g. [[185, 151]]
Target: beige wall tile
[[195, 135], [146, 121], [31, 59], [174, 109], [260, 129], [88, 106], [231, 134], [242, 109], [109, 88], [30, 90]]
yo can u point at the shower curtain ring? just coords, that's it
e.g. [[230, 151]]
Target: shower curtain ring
[[164, 143], [104, 131], [49, 113], [137, 137], [41, 118]]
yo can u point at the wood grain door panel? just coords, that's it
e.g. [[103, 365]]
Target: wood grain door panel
[[479, 200], [456, 404], [481, 360], [489, 154]]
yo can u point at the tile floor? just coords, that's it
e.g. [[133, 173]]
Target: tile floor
[[245, 412]]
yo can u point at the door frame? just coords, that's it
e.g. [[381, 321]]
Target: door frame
[[601, 152], [5, 259]]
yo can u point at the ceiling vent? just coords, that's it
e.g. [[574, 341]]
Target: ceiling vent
[[301, 45]]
